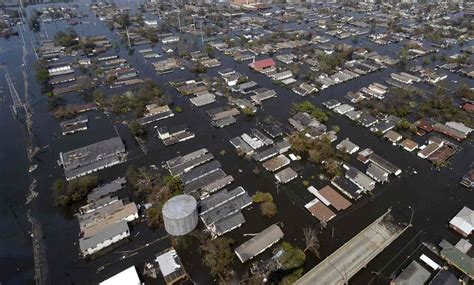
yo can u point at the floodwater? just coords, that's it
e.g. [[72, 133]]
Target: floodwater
[[435, 196]]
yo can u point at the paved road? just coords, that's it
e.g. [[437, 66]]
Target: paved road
[[354, 255]]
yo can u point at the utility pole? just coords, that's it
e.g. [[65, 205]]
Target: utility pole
[[202, 35], [45, 31], [179, 20], [21, 15], [128, 38], [34, 49], [24, 49]]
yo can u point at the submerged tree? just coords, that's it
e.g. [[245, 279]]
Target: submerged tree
[[311, 241], [218, 255]]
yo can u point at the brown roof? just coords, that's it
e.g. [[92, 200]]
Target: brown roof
[[392, 136], [425, 125], [429, 149], [407, 143], [336, 199], [320, 211], [468, 107], [441, 154]]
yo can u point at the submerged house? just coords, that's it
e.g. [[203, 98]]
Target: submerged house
[[92, 158], [263, 65], [463, 222]]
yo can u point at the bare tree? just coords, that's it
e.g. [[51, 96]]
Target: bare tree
[[311, 241]]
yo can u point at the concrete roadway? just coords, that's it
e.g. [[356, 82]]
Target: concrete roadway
[[345, 262]]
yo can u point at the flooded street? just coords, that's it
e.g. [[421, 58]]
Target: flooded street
[[434, 195]]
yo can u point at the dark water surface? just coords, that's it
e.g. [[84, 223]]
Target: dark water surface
[[434, 195]]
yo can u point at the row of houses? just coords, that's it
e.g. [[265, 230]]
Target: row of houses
[[92, 158], [103, 221], [326, 199], [435, 150]]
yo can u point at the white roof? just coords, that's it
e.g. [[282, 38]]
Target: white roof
[[127, 277], [167, 262], [464, 220], [459, 127], [429, 262], [320, 197], [344, 108]]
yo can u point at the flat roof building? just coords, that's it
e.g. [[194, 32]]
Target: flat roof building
[[347, 187], [108, 235], [413, 274], [259, 243], [457, 258], [221, 212], [276, 163], [170, 266], [127, 277], [384, 164], [378, 174], [444, 277], [320, 211], [92, 158], [336, 200], [463, 222], [203, 181], [286, 175], [359, 178], [200, 171]]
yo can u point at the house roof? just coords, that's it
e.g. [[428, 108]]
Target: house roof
[[409, 144], [259, 243], [127, 277], [464, 220], [392, 136], [106, 233], [463, 245], [457, 258], [414, 274], [169, 263], [319, 210], [444, 277], [337, 200], [264, 63], [347, 146]]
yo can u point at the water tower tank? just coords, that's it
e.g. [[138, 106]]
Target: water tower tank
[[180, 215]]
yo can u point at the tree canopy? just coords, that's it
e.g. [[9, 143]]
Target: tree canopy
[[218, 255]]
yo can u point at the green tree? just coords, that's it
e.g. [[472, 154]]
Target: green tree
[[42, 73], [463, 91], [136, 129], [248, 112], [291, 257], [155, 216], [67, 39], [403, 57], [292, 277], [68, 193], [218, 255], [260, 197], [311, 109]]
